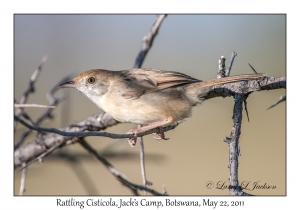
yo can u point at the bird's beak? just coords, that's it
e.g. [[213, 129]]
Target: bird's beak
[[70, 84]]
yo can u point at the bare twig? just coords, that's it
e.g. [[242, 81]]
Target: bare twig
[[33, 105], [33, 79], [148, 40], [233, 55], [23, 179], [222, 68], [47, 140], [91, 133], [46, 153], [142, 161], [48, 113], [30, 87], [281, 99], [115, 172], [27, 117]]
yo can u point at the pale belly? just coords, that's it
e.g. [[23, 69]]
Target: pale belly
[[148, 108]]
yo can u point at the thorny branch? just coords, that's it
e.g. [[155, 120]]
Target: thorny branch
[[233, 145], [240, 97]]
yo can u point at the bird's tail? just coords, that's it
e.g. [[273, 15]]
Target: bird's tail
[[236, 78], [197, 92]]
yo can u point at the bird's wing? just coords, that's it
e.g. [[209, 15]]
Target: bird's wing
[[142, 81]]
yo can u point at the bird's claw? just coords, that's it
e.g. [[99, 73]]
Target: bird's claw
[[161, 134], [132, 140]]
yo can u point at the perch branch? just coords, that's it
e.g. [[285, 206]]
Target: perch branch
[[91, 133], [47, 140]]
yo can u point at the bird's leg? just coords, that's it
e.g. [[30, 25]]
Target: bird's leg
[[160, 124]]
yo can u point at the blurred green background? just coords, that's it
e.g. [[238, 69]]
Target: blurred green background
[[195, 153]]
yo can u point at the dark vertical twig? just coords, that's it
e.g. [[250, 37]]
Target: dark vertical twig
[[233, 141], [233, 146]]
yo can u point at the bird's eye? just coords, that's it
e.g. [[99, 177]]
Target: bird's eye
[[91, 80]]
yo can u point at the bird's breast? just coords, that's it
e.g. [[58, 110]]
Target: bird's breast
[[148, 108]]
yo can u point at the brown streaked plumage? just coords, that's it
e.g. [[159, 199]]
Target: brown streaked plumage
[[150, 97]]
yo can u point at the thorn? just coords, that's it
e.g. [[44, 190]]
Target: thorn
[[281, 99], [227, 140], [252, 68], [246, 109], [239, 151]]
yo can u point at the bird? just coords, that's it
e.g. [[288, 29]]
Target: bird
[[149, 97]]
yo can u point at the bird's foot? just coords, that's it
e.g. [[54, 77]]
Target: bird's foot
[[132, 140], [161, 134]]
